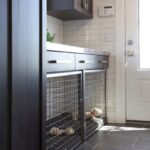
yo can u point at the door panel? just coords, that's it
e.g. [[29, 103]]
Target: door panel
[[25, 75], [137, 78], [4, 89], [143, 92]]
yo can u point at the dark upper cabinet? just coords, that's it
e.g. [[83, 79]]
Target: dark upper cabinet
[[70, 9], [4, 77], [20, 90]]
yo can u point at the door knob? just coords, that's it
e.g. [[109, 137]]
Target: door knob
[[130, 42]]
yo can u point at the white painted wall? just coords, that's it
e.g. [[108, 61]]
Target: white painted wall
[[120, 62]]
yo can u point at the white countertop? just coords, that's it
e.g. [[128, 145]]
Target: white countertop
[[72, 49]]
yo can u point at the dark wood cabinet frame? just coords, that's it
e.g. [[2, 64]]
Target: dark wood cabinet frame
[[5, 77], [22, 43]]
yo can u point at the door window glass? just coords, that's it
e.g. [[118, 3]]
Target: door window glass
[[144, 33]]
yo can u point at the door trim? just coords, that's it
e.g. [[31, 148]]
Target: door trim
[[120, 62]]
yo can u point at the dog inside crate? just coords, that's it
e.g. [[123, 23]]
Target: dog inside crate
[[63, 116], [94, 101]]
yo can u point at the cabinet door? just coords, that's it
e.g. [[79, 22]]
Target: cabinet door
[[4, 94], [25, 75]]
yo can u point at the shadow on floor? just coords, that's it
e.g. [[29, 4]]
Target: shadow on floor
[[119, 137]]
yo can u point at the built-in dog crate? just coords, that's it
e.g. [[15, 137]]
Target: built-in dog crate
[[64, 105], [75, 104], [94, 100]]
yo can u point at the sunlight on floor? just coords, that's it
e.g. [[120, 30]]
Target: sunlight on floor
[[115, 129]]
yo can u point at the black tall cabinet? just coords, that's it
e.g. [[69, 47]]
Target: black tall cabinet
[[4, 77], [26, 74], [20, 61]]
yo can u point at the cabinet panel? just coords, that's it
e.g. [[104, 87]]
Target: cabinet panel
[[84, 61], [4, 92], [58, 61], [70, 9], [25, 75]]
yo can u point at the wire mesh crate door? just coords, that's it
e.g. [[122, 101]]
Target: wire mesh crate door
[[94, 100], [63, 113]]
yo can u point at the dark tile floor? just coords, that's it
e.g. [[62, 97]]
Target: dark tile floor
[[119, 137]]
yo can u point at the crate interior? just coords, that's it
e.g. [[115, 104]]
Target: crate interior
[[94, 98], [63, 111]]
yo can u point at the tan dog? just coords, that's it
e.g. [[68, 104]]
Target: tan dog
[[96, 112]]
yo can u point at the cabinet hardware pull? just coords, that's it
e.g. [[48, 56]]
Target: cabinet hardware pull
[[60, 61], [103, 61], [86, 62]]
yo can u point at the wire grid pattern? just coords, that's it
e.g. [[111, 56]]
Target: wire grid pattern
[[63, 96], [95, 91], [94, 96]]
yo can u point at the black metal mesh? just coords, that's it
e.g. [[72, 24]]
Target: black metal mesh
[[63, 111], [94, 98]]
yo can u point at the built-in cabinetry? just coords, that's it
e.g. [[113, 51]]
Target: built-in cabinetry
[[63, 61], [25, 72], [75, 85], [70, 9]]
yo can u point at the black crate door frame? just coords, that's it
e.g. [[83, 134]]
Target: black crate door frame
[[94, 93], [64, 109]]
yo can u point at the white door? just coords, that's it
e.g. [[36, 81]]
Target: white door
[[138, 60]]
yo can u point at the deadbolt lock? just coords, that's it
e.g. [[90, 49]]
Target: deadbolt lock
[[130, 42]]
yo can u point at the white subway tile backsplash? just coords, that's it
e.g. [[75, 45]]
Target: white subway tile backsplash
[[55, 26], [111, 106], [111, 117]]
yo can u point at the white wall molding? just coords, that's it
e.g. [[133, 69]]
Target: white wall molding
[[120, 62]]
